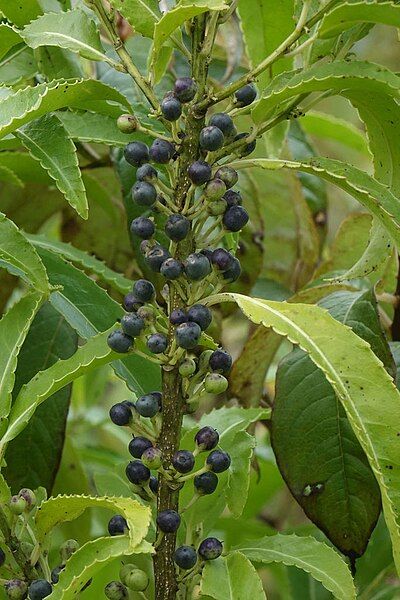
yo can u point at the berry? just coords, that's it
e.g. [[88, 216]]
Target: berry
[[117, 525], [234, 272], [171, 107], [185, 89], [215, 189], [200, 314], [55, 573], [216, 208], [235, 218], [156, 256], [29, 497], [178, 316], [67, 549], [121, 414], [232, 198], [115, 590], [142, 227], [211, 138], [187, 367], [137, 472], [144, 193], [168, 521], [161, 151], [247, 148], [131, 303], [222, 259], [171, 269], [206, 438], [197, 266], [135, 579], [17, 505], [210, 549], [218, 461], [147, 173], [185, 557], [132, 325], [148, 405], [15, 589], [246, 95], [224, 122], [228, 175], [153, 484], [40, 588], [119, 341], [157, 343], [147, 313], [127, 123], [206, 483], [177, 227], [187, 335], [220, 361], [199, 172], [215, 383], [138, 445], [144, 290], [136, 153], [152, 458], [183, 461]]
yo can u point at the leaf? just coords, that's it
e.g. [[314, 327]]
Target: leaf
[[336, 76], [9, 176], [88, 357], [33, 102], [371, 404], [317, 452], [231, 578], [73, 30], [33, 458], [18, 66], [329, 127], [56, 63], [347, 15], [14, 327], [9, 37], [141, 14], [305, 553], [239, 473], [15, 250], [85, 260], [376, 197], [48, 142], [265, 26], [20, 13]]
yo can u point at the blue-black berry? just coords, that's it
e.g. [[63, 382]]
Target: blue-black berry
[[211, 138], [147, 173], [185, 557], [185, 89], [155, 257], [234, 272], [183, 461], [187, 335], [168, 521], [220, 361], [161, 151], [210, 549], [199, 172], [115, 590], [224, 122], [246, 95], [55, 573], [153, 484], [117, 525], [132, 325], [235, 218], [232, 198], [228, 175], [144, 193], [222, 259], [218, 461], [142, 227], [200, 314], [138, 445], [171, 269], [206, 483], [131, 303], [136, 153], [39, 589], [137, 472], [178, 316], [119, 341], [206, 438], [177, 227], [144, 290], [197, 266], [157, 343], [121, 414], [148, 405], [171, 107]]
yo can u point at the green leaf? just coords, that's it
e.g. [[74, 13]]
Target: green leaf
[[265, 26], [335, 76], [85, 260], [48, 142], [317, 452], [33, 458], [73, 30], [239, 473], [88, 357], [231, 578], [56, 63], [18, 66], [14, 327], [9, 176], [372, 406], [141, 14], [329, 127], [15, 250], [347, 15], [9, 37], [20, 13], [305, 553], [33, 102]]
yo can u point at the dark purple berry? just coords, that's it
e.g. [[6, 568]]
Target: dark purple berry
[[137, 472], [234, 272], [55, 573], [233, 198], [168, 521], [132, 325], [246, 95], [220, 361], [142, 227], [206, 438], [200, 314], [211, 138], [144, 194], [206, 483], [157, 343], [199, 172], [119, 341], [178, 316], [197, 266], [138, 445], [185, 89], [185, 557], [153, 484], [147, 173], [218, 461], [235, 218], [171, 269], [39, 589], [155, 257], [187, 335], [224, 122], [161, 151], [228, 175], [148, 405], [171, 107], [207, 252], [136, 153], [222, 259], [177, 227], [183, 461], [131, 303], [121, 414], [210, 549], [144, 290]]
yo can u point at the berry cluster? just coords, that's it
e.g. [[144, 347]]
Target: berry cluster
[[131, 579]]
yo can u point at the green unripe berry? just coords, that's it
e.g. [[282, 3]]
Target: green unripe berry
[[215, 383], [18, 505], [127, 123], [187, 367], [147, 313], [152, 458], [215, 189], [135, 579], [67, 549], [15, 589], [115, 590], [217, 207], [29, 496]]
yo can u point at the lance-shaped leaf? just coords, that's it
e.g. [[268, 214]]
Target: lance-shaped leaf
[[306, 553], [9, 37], [73, 30], [48, 142], [366, 391], [333, 128], [231, 578], [141, 14], [347, 15]]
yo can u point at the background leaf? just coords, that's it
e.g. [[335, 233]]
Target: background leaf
[[231, 578]]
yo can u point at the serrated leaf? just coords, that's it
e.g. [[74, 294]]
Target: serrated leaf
[[33, 102], [239, 472], [85, 260], [336, 76], [231, 578], [18, 66], [88, 357], [73, 30], [347, 15], [9, 37], [141, 14], [48, 142], [366, 391], [306, 553], [20, 12], [9, 176], [15, 250], [14, 327], [333, 128], [56, 63]]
